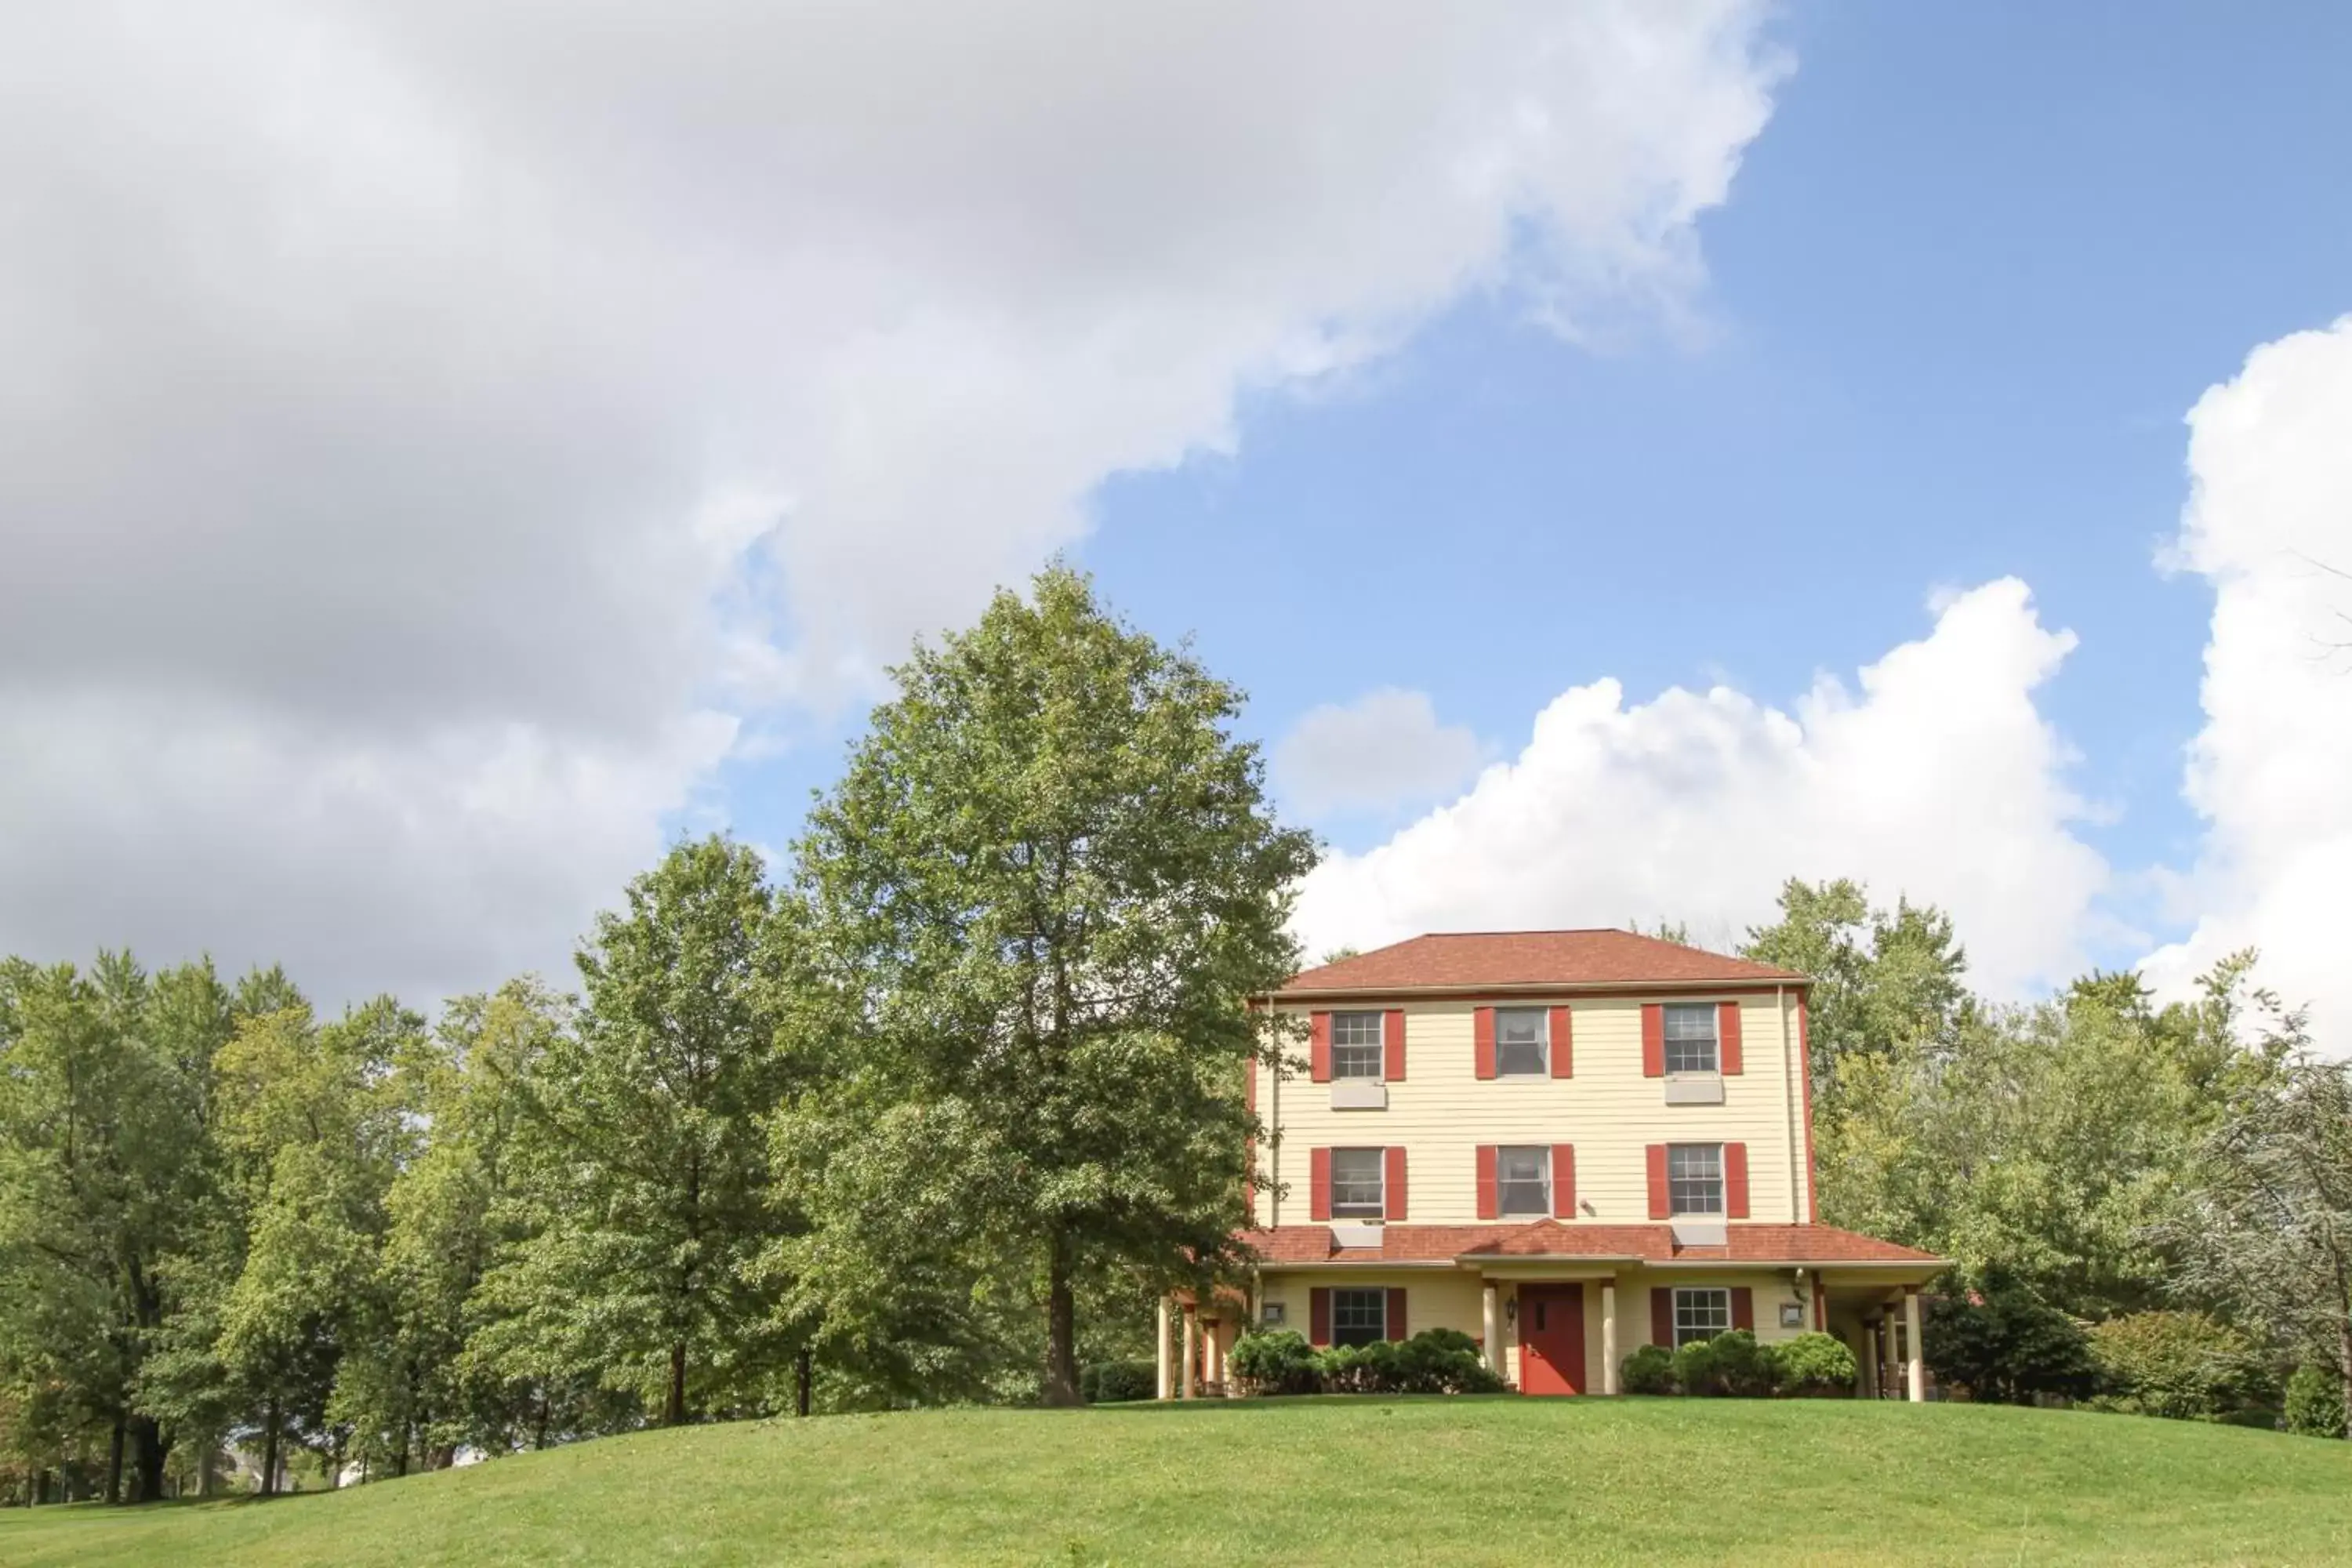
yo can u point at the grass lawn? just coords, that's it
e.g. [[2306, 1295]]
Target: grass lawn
[[1404, 1480]]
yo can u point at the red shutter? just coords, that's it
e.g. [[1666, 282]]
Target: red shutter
[[1735, 1181], [1662, 1316], [1483, 1034], [1563, 1181], [1318, 1315], [1490, 1201], [1726, 1035], [1653, 1040], [1318, 1184], [1563, 1044], [1661, 1201], [1396, 1312], [1319, 1061], [1743, 1308], [1393, 1187], [1392, 1045]]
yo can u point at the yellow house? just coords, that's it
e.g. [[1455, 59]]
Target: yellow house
[[1565, 1144]]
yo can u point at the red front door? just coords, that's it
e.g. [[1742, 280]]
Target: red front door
[[1551, 1339]]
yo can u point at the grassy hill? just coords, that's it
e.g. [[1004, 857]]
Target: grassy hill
[[1498, 1481]]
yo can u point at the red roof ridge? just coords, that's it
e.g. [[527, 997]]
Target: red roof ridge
[[1564, 956]]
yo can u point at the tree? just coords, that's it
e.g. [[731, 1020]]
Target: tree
[[640, 1158], [1882, 982], [1038, 907], [100, 1124], [2266, 1228]]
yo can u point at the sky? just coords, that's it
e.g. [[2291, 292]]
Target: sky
[[1631, 454]]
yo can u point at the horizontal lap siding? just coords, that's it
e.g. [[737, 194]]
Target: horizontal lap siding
[[1437, 1299], [1609, 1111]]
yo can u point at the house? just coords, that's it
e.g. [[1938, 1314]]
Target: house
[[1565, 1144]]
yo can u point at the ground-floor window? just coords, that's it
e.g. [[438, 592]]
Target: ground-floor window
[[1358, 1317], [1700, 1314]]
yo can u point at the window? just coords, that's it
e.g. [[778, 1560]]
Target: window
[[1523, 1180], [1356, 1190], [1695, 1177], [1690, 1037], [1361, 1317], [1520, 1036], [1356, 1046], [1700, 1315]]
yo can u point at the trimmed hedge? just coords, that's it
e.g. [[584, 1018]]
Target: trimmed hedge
[[1436, 1361], [1734, 1365], [1119, 1382]]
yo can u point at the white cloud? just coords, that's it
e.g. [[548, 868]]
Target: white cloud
[[2269, 525], [1384, 751], [388, 388], [1940, 780]]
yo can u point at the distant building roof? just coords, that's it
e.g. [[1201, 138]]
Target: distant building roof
[[1473, 961]]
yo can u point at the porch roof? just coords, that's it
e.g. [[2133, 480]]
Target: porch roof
[[1774, 1245]]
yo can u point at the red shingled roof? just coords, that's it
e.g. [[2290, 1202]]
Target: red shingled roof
[[1779, 1245], [1471, 960]]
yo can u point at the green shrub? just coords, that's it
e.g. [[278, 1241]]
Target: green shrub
[[1116, 1382], [1278, 1360], [1812, 1366], [1650, 1370], [1443, 1361], [2184, 1366], [2004, 1344], [1374, 1368], [2315, 1402], [1729, 1364]]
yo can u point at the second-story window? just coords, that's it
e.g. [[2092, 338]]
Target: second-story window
[[1356, 1046], [1355, 1184], [1523, 1180], [1520, 1034], [1690, 1037], [1695, 1177]]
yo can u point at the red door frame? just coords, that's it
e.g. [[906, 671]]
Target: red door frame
[[1551, 1337]]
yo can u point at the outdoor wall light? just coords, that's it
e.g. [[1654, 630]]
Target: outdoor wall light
[[1510, 1309]]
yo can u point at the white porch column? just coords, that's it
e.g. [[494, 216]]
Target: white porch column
[[1212, 1353], [1494, 1329], [1870, 1359], [1609, 1336], [1161, 1388], [1190, 1387], [1914, 1367]]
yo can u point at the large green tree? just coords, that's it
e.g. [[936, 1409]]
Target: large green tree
[[1036, 907], [640, 1159]]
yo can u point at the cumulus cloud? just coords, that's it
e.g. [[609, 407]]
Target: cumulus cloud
[[1939, 779], [1384, 751], [457, 417], [2269, 525]]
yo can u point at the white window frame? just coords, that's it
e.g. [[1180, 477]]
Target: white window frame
[[1359, 1207], [1542, 1042], [1542, 1151], [1697, 1307], [1694, 1184], [1690, 1051], [1356, 1059], [1379, 1312]]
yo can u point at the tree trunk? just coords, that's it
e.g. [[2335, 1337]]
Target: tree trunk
[[206, 1463], [114, 1463], [539, 1426], [674, 1407], [269, 1451], [802, 1375], [147, 1451], [1061, 1328]]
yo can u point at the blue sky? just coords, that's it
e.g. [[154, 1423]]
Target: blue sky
[[1968, 284], [1631, 452]]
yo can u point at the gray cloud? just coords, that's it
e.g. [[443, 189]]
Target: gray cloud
[[404, 408]]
